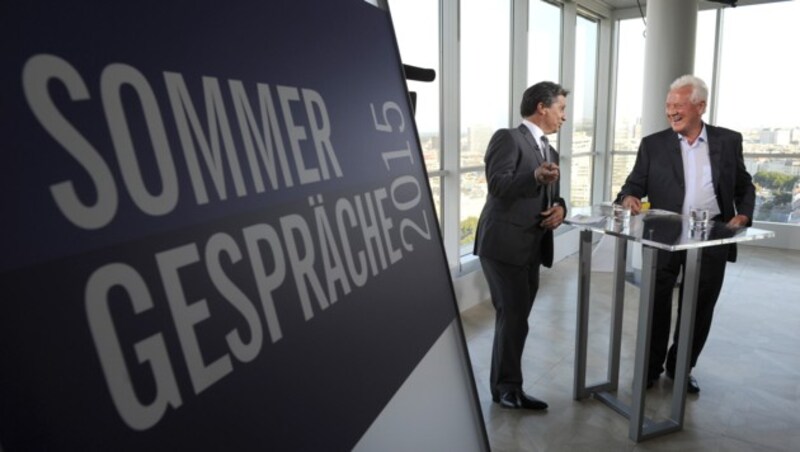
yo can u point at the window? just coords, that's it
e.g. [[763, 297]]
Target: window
[[544, 42], [544, 46], [416, 24], [704, 51], [758, 96], [484, 99], [473, 197], [628, 118], [583, 101]]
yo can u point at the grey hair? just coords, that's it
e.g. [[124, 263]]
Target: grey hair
[[699, 88]]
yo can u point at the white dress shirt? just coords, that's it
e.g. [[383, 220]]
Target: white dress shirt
[[697, 175]]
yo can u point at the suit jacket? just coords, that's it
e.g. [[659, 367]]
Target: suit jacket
[[658, 174], [508, 229]]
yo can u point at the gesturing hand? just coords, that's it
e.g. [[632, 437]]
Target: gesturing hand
[[546, 173]]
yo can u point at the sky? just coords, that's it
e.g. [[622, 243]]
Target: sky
[[760, 56]]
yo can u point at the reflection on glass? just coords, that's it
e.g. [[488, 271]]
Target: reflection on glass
[[416, 24], [484, 93], [473, 197], [662, 229]]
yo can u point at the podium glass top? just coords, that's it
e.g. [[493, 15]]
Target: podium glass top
[[661, 229]]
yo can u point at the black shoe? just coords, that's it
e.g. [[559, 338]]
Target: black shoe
[[691, 385], [517, 399]]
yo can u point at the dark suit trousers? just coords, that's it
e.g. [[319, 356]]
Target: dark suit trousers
[[712, 273], [513, 289]]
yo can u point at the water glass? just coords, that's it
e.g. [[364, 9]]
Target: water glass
[[620, 214], [699, 219]]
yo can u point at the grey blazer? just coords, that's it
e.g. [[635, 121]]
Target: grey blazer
[[508, 229]]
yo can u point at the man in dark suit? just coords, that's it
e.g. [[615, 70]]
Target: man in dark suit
[[690, 165], [515, 231]]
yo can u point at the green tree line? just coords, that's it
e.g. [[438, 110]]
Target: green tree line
[[774, 180], [468, 227]]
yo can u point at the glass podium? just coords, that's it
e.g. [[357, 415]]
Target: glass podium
[[654, 230]]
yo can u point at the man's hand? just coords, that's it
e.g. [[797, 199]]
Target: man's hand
[[739, 221], [633, 203], [546, 173], [553, 217]]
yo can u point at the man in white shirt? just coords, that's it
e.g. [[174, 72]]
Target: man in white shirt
[[691, 165]]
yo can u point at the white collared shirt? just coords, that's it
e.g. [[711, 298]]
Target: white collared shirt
[[699, 192], [537, 134]]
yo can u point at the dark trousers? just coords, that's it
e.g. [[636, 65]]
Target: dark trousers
[[712, 273], [513, 289]]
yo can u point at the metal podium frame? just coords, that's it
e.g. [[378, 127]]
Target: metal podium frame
[[641, 427]]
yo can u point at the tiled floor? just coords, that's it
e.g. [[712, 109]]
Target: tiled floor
[[749, 372]]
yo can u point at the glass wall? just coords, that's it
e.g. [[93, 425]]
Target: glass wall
[[485, 86], [544, 46], [628, 102], [759, 96], [544, 42], [704, 51], [630, 80], [756, 94], [583, 111], [416, 24]]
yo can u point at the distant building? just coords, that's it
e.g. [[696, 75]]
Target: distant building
[[580, 182], [477, 139], [782, 137]]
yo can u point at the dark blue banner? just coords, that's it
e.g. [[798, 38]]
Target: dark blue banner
[[217, 227]]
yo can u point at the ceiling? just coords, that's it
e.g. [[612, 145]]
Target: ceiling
[[622, 4]]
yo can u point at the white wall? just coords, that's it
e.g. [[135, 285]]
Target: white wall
[[787, 236]]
